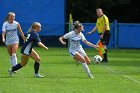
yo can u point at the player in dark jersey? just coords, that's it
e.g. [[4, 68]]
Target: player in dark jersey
[[28, 51]]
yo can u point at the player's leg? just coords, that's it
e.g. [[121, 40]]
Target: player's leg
[[36, 57], [14, 57], [106, 39], [9, 50], [24, 60], [79, 57], [83, 53], [87, 60]]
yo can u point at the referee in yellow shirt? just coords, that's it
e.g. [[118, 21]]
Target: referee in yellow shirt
[[102, 25]]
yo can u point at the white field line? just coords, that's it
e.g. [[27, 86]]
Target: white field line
[[124, 76]]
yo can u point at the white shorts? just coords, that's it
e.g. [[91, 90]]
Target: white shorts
[[80, 51], [11, 43]]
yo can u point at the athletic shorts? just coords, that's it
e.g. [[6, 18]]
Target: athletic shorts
[[80, 51], [11, 42], [26, 51], [106, 38]]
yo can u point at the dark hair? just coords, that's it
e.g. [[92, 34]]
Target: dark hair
[[77, 24]]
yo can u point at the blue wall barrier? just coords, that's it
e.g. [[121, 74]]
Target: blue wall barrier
[[123, 35], [50, 13]]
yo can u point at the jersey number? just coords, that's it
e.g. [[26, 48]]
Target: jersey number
[[28, 36]]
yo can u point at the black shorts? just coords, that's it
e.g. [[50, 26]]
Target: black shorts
[[26, 51], [106, 38]]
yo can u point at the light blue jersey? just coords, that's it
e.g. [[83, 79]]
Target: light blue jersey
[[11, 32]]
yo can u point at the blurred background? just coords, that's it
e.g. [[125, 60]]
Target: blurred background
[[124, 16]]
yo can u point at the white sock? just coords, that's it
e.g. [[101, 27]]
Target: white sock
[[85, 66], [14, 59], [11, 60]]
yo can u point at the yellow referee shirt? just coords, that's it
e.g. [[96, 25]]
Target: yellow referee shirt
[[101, 22]]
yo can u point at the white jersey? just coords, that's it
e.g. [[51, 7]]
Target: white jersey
[[11, 32], [74, 40]]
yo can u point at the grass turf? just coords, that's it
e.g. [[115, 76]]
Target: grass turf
[[120, 75]]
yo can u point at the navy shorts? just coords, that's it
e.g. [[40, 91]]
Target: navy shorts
[[106, 38]]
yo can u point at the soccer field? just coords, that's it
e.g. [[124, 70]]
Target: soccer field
[[120, 75]]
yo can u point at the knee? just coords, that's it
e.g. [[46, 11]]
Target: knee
[[37, 59], [23, 64], [14, 55], [88, 62]]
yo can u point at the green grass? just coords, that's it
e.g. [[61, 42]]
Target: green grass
[[120, 75]]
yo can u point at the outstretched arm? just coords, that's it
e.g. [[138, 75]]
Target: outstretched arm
[[42, 45], [90, 44], [93, 30]]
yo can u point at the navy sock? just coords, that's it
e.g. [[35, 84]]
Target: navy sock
[[36, 67], [16, 67], [105, 55]]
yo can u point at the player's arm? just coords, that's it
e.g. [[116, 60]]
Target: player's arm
[[3, 36], [21, 32], [61, 39], [93, 30], [90, 44], [3, 32], [66, 36], [42, 45]]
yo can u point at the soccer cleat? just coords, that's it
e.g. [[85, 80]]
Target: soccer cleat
[[15, 72], [38, 75], [90, 76], [104, 60], [10, 72]]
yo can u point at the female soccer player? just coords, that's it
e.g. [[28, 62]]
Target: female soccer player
[[27, 50], [9, 29], [75, 48]]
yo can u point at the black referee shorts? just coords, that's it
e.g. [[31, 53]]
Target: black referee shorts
[[106, 37]]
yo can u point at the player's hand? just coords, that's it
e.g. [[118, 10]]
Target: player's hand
[[97, 47], [101, 36], [64, 43], [89, 33], [3, 40], [46, 48]]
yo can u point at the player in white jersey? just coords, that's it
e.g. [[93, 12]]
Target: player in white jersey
[[75, 48], [9, 31]]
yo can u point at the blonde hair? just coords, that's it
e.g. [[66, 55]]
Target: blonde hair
[[34, 24], [7, 17]]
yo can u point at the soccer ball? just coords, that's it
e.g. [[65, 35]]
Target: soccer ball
[[97, 59]]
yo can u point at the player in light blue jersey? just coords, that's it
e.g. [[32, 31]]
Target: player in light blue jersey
[[10, 36]]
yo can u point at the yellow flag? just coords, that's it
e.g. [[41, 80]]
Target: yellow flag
[[101, 50], [70, 22]]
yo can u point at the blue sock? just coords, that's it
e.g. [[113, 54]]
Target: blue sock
[[16, 67], [36, 67]]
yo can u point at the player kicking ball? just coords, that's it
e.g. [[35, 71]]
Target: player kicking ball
[[27, 50], [75, 48]]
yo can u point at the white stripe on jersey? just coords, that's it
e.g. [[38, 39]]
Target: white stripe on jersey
[[27, 49]]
